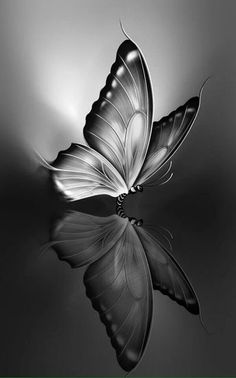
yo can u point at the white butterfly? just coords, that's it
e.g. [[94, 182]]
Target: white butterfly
[[124, 147]]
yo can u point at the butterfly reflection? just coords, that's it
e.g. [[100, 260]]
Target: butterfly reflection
[[125, 262]]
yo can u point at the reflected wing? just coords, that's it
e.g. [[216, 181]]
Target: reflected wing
[[119, 286], [125, 261], [167, 136], [119, 124], [81, 238], [81, 172], [167, 275]]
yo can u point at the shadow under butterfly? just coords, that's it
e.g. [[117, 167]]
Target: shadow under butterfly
[[125, 262]]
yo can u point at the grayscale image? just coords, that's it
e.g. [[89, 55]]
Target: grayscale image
[[118, 190]]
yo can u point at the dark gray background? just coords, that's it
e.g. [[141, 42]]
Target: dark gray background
[[55, 56]]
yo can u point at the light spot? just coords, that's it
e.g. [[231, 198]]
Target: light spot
[[120, 71], [132, 56], [109, 94], [157, 158], [114, 327], [108, 316], [132, 356], [120, 340], [114, 83], [59, 184], [103, 104], [102, 307], [190, 110]]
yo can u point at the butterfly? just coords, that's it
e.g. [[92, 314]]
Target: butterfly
[[124, 263], [125, 148]]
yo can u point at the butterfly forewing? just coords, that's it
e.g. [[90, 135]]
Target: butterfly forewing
[[119, 124], [119, 286], [81, 172]]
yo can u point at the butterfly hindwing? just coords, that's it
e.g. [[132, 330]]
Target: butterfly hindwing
[[167, 136], [81, 172], [167, 275], [119, 286], [119, 124], [80, 239]]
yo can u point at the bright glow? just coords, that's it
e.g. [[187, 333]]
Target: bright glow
[[59, 85]]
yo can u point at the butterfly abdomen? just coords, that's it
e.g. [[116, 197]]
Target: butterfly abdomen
[[119, 205], [120, 211]]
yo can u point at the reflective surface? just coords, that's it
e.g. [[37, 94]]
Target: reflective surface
[[125, 263], [46, 314]]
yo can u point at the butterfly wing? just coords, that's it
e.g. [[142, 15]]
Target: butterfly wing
[[117, 281], [81, 172], [167, 275], [119, 286], [80, 239], [167, 136], [120, 121]]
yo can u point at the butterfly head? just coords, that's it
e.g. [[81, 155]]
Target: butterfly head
[[137, 188], [136, 222]]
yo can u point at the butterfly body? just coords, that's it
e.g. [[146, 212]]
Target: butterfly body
[[119, 206]]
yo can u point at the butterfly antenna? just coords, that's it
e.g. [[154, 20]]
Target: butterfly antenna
[[43, 162], [159, 233], [123, 31], [168, 232], [203, 84], [168, 241], [45, 247], [166, 181], [204, 326], [128, 373], [168, 170], [202, 322], [154, 182]]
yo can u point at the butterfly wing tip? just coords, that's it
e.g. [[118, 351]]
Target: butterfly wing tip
[[123, 30]]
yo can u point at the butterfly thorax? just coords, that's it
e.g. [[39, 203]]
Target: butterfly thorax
[[119, 205]]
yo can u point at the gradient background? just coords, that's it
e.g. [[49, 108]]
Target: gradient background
[[55, 56]]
